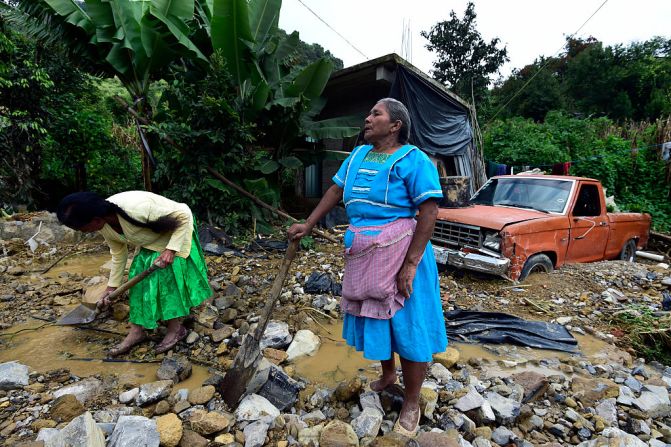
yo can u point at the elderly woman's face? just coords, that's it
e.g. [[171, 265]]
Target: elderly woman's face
[[378, 125]]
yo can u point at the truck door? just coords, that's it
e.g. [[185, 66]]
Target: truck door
[[588, 235]]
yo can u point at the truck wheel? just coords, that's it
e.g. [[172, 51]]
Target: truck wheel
[[628, 252], [536, 264]]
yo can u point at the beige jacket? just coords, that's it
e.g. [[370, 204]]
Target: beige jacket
[[146, 206]]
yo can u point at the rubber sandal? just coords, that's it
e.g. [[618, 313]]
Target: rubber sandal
[[398, 428], [161, 348], [118, 350]]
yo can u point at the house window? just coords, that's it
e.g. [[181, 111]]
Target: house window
[[313, 187]]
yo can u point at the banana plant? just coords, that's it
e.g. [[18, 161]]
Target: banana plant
[[132, 40], [283, 101]]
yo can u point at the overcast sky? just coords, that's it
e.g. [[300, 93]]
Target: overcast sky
[[528, 28]]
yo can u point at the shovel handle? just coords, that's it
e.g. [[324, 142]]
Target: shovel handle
[[134, 280]]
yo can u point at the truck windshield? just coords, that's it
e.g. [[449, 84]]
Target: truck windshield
[[546, 195]]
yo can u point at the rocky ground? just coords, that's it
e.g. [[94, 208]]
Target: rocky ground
[[589, 400]]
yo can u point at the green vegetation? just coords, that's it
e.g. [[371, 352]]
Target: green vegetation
[[648, 335]]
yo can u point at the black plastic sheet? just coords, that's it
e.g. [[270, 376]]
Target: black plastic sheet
[[320, 282], [498, 328]]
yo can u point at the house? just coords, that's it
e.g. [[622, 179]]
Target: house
[[441, 121]]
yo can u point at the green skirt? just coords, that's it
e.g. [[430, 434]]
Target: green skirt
[[170, 292]]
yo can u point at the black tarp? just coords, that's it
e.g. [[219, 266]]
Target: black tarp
[[496, 328], [440, 125]]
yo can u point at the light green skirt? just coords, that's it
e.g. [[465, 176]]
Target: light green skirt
[[170, 292]]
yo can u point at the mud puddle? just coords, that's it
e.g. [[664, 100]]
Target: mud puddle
[[83, 265], [336, 361], [51, 347]]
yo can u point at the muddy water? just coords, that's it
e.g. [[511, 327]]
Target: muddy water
[[84, 265], [336, 362], [52, 347]]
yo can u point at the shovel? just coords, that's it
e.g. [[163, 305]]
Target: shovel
[[246, 362], [87, 312]]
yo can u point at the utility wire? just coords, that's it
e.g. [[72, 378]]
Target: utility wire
[[333, 29], [545, 64]]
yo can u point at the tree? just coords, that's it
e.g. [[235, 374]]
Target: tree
[[464, 58]]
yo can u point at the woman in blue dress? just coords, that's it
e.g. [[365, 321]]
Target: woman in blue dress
[[391, 293]]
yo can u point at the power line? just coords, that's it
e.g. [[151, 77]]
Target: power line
[[333, 29], [545, 64]]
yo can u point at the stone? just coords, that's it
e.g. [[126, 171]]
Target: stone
[[502, 436], [470, 401], [128, 396], [176, 368], [276, 386], [371, 399], [440, 373], [120, 311], [225, 439], [153, 392], [607, 409], [313, 416], [633, 384], [626, 396], [222, 333], [228, 315], [346, 391], [310, 435], [654, 400], [481, 442], [275, 356], [206, 422], [192, 439], [134, 431], [276, 335], [253, 407], [84, 390], [192, 337], [338, 434], [506, 410], [65, 408], [207, 315], [589, 391], [305, 342], [170, 430], [39, 424], [255, 433], [615, 437], [534, 384], [392, 439], [49, 437], [202, 395], [448, 358], [82, 431], [161, 408], [224, 302], [483, 432], [367, 424], [13, 375], [434, 439], [428, 399]]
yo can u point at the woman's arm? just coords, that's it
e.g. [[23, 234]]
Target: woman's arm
[[332, 197], [428, 211]]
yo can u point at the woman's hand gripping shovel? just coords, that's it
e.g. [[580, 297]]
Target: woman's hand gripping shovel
[[246, 362], [87, 312]]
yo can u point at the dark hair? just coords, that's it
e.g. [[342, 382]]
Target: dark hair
[[398, 112], [80, 208]]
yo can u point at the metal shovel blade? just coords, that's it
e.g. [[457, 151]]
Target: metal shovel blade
[[82, 314]]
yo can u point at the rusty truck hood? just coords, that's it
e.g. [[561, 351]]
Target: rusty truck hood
[[494, 217]]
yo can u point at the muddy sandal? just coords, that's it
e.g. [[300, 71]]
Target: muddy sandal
[[398, 428], [120, 349], [165, 347]]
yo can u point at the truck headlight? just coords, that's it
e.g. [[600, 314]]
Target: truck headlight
[[492, 241]]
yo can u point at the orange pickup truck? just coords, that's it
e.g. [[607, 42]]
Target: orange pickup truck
[[520, 224]]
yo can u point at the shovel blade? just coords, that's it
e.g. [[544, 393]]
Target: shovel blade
[[82, 314]]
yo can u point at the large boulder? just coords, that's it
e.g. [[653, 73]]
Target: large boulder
[[253, 407], [153, 392], [338, 434], [175, 368], [305, 343], [169, 429], [82, 431], [276, 335], [84, 390], [134, 431]]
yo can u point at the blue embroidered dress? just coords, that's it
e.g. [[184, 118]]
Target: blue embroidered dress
[[378, 189]]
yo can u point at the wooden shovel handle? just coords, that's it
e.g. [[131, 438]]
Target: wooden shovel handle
[[134, 280]]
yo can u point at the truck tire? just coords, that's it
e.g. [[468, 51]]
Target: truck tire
[[628, 252], [535, 264]]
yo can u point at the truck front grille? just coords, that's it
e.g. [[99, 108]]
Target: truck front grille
[[458, 235]]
